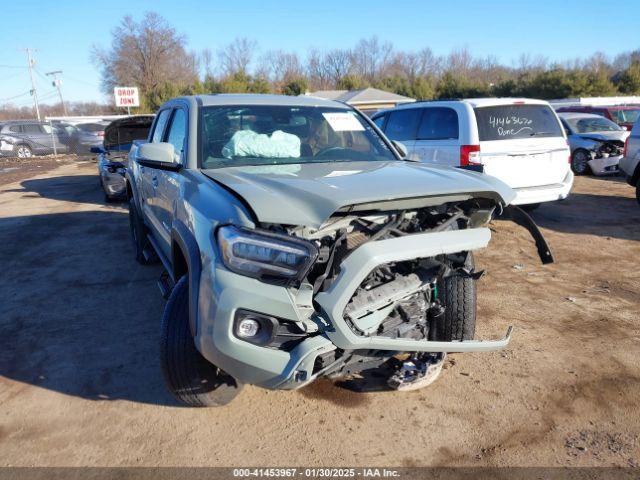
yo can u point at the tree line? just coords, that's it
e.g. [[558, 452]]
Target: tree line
[[153, 56]]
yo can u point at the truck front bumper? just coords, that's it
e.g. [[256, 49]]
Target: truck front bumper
[[223, 292]]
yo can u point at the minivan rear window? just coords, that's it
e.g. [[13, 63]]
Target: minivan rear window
[[509, 122]]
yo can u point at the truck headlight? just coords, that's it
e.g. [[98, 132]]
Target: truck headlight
[[265, 255]]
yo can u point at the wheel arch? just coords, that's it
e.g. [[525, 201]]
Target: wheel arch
[[635, 178], [185, 260]]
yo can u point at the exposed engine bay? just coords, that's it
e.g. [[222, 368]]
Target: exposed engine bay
[[605, 148], [398, 299]]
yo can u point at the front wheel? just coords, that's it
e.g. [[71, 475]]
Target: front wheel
[[579, 162], [191, 379], [638, 191], [24, 151], [457, 294]]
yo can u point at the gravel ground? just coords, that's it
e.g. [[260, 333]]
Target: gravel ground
[[13, 169], [80, 382]]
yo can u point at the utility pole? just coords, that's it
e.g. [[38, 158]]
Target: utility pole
[[31, 62], [57, 83]]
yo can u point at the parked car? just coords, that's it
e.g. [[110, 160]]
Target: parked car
[[24, 139], [298, 244], [623, 115], [518, 141], [119, 135], [630, 162], [88, 135], [596, 143]]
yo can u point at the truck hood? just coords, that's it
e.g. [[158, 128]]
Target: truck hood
[[308, 194]]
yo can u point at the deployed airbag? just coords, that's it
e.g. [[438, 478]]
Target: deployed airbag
[[247, 143]]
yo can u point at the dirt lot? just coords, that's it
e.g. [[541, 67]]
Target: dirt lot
[[80, 382], [13, 169]]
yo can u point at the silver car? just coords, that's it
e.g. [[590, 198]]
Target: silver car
[[596, 143]]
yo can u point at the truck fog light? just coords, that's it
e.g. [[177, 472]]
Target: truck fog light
[[248, 327]]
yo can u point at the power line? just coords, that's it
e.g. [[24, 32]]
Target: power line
[[79, 81], [7, 77], [22, 103], [15, 96]]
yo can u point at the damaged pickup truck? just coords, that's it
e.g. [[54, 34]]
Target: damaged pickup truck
[[298, 243]]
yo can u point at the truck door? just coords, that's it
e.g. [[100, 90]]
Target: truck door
[[148, 185], [167, 183]]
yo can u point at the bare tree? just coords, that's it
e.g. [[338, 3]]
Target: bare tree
[[598, 63], [338, 64], [413, 65], [315, 72], [370, 58], [528, 62], [280, 67], [237, 56], [325, 69], [459, 61], [206, 58], [145, 54]]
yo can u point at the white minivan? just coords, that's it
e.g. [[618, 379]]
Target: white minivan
[[518, 140]]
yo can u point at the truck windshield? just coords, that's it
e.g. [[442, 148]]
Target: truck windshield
[[509, 122], [625, 116], [276, 135]]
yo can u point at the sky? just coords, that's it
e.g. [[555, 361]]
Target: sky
[[62, 32]]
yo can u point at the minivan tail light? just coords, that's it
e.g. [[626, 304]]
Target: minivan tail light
[[626, 147], [569, 147], [469, 155]]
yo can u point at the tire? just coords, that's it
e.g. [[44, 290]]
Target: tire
[[23, 151], [138, 234], [191, 379], [579, 160], [457, 294], [530, 207], [638, 191]]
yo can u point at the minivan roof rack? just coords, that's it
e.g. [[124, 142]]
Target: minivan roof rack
[[439, 100]]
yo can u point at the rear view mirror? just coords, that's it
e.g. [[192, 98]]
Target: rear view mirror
[[158, 155]]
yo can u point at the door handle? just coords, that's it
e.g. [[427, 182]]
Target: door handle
[[154, 182]]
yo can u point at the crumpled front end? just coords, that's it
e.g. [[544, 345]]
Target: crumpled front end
[[370, 294], [359, 326], [604, 154]]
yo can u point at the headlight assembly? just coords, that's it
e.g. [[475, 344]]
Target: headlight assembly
[[265, 255]]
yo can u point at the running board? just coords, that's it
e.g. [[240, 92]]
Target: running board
[[165, 284]]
